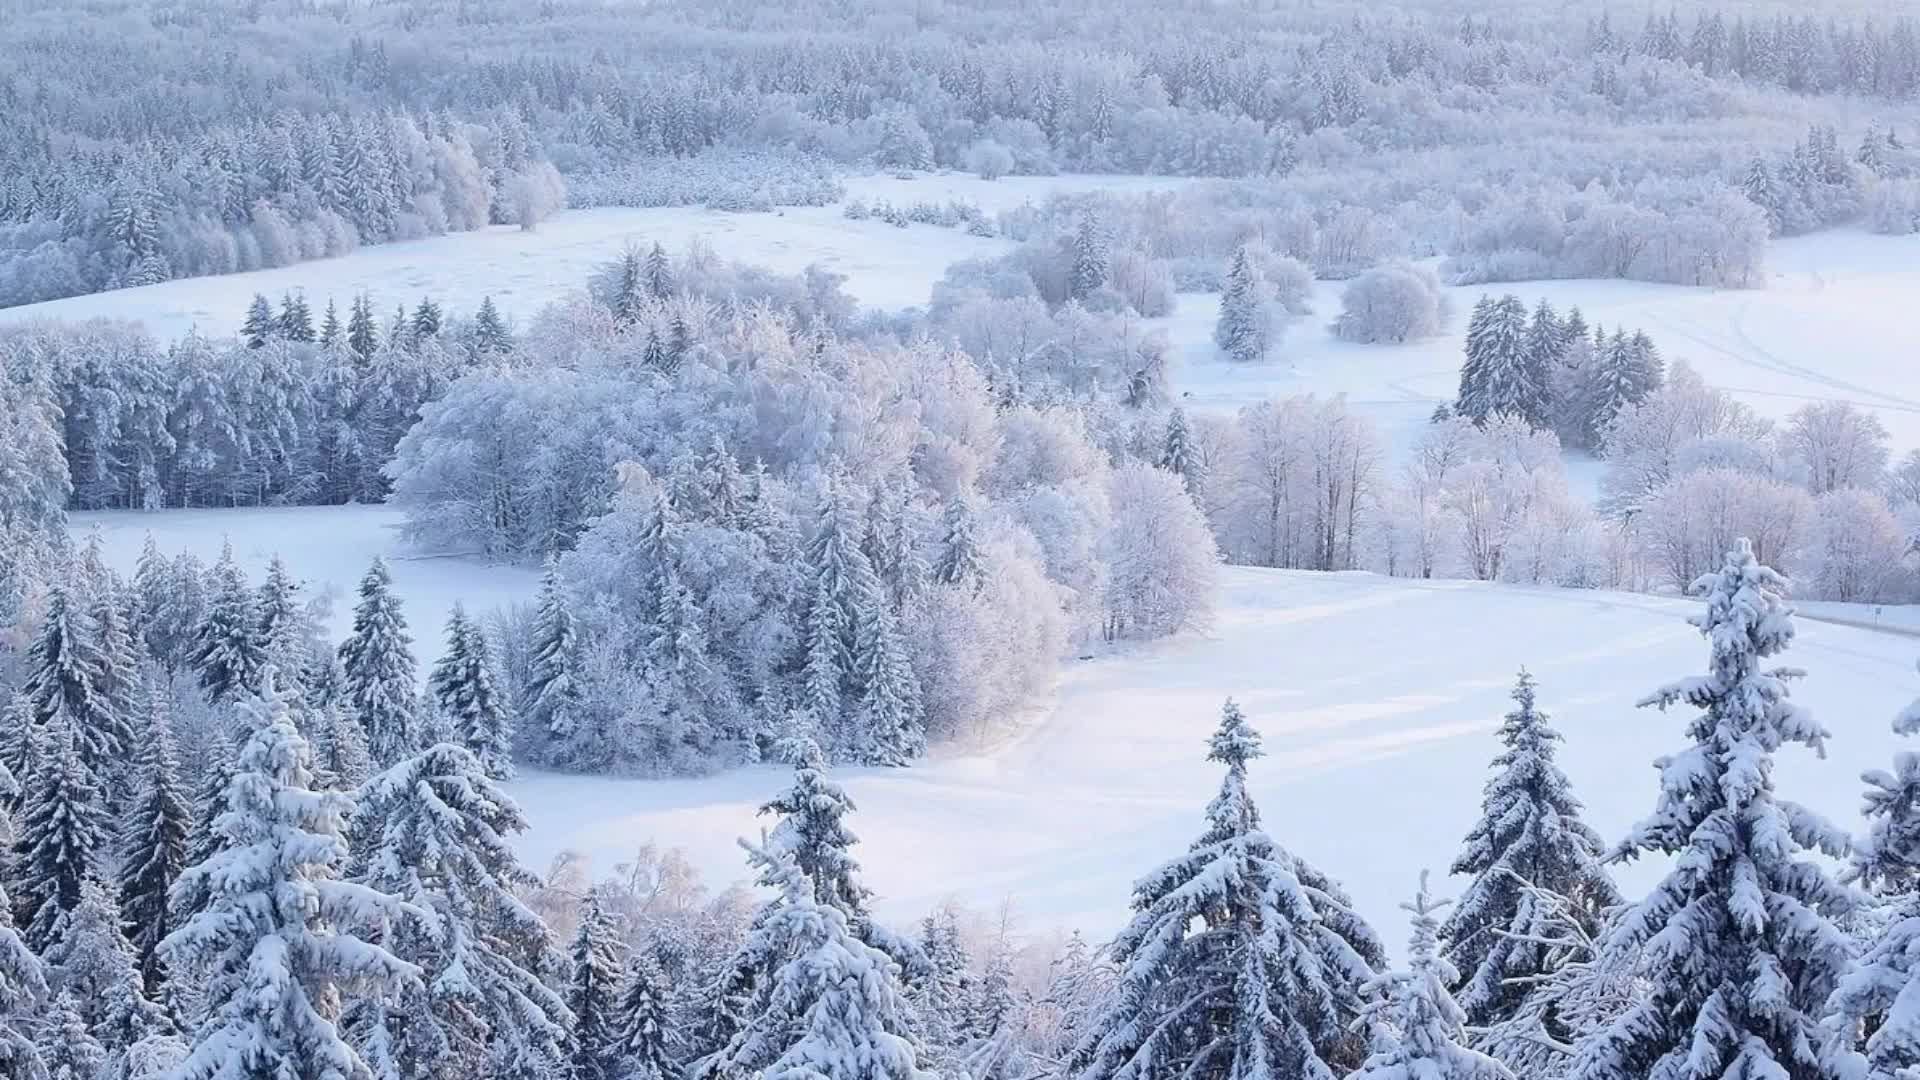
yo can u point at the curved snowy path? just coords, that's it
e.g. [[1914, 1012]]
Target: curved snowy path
[[1378, 699]]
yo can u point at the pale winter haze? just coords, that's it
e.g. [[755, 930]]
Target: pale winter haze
[[961, 541]]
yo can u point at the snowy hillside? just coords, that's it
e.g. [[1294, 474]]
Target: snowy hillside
[[1378, 698]]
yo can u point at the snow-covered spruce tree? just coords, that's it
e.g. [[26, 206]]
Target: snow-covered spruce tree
[[67, 1050], [1244, 330], [1179, 455], [185, 898], [465, 691], [1875, 1011], [91, 959], [831, 1005], [1420, 1031], [153, 842], [260, 324], [340, 758], [437, 835], [641, 1041], [593, 994], [23, 984], [658, 274], [1736, 944], [891, 723], [1233, 963], [62, 826], [379, 666], [853, 647], [271, 941], [1529, 834], [939, 996], [959, 560], [66, 685], [812, 829], [1496, 378], [551, 702], [280, 625], [228, 651]]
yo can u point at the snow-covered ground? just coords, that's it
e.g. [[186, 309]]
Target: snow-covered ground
[[328, 548], [886, 266], [1378, 699], [1831, 324]]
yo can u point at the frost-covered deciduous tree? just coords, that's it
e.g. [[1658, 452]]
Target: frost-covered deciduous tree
[[1529, 841], [1239, 960], [1420, 1031], [1392, 304], [1161, 556], [271, 939], [1834, 445], [1737, 942], [380, 671]]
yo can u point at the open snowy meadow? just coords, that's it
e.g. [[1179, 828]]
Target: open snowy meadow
[[1378, 699], [1830, 324]]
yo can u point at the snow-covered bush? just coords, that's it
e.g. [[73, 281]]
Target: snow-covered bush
[[989, 159], [1395, 303]]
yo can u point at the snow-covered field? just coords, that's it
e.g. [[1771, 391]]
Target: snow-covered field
[[1377, 697], [886, 267], [1831, 324], [328, 548]]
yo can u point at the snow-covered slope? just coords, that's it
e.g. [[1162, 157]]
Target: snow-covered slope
[[1378, 698]]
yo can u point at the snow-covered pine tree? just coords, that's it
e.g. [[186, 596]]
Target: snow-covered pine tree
[[340, 758], [1243, 331], [1529, 834], [1873, 1015], [153, 842], [1496, 378], [23, 983], [940, 995], [1180, 456], [658, 274], [830, 1005], [1620, 376], [847, 598], [1233, 962], [437, 831], [1419, 1030], [380, 671], [331, 331], [1736, 944], [295, 321], [551, 700], [363, 334], [959, 560], [891, 725], [426, 320], [66, 682], [260, 324], [90, 959], [490, 334], [280, 626], [628, 299], [67, 1050], [1089, 269], [464, 689], [228, 651], [593, 988], [270, 935], [641, 1042], [1546, 350], [812, 829], [62, 826]]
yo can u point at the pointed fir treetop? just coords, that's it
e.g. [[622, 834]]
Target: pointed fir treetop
[[1529, 837], [1737, 943], [271, 934], [813, 832], [1420, 1031]]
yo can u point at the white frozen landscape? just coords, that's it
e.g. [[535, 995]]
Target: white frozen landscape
[[1829, 325], [1371, 692]]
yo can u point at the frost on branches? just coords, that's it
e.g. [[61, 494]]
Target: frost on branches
[[1529, 834], [1240, 962], [1418, 1028], [268, 938], [1875, 1011], [1736, 944]]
